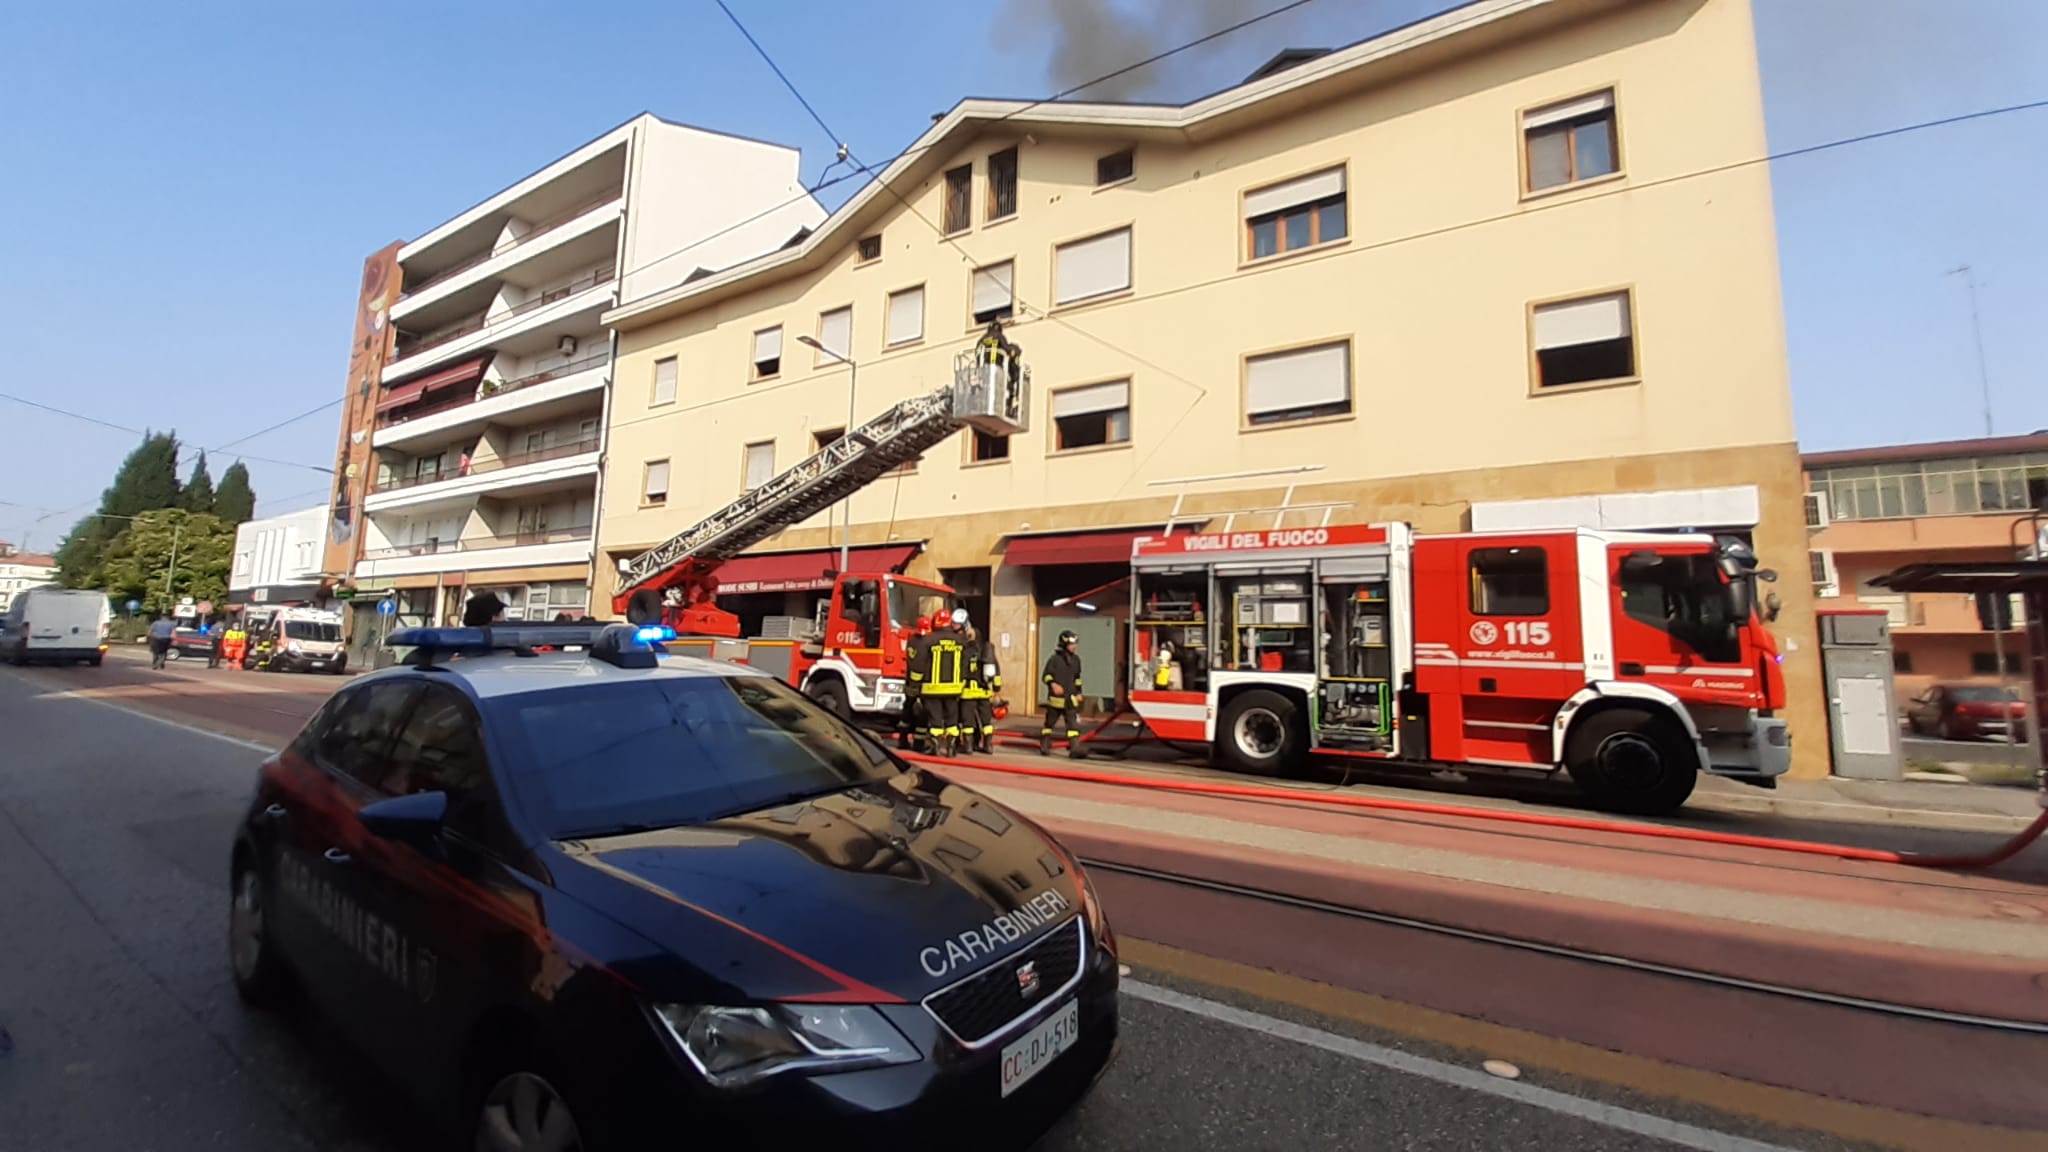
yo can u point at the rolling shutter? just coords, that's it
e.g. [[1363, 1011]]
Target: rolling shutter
[[1305, 378], [993, 287], [835, 333], [906, 316], [1096, 266], [1093, 398], [1294, 193], [1587, 321]]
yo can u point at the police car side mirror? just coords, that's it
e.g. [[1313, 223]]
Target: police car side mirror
[[408, 819]]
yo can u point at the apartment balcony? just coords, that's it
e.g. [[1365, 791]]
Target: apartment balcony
[[552, 467], [520, 550], [596, 218], [524, 328], [534, 399]]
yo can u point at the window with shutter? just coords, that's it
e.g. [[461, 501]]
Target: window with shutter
[[760, 464], [1097, 266], [654, 487], [994, 297], [1584, 341], [1092, 415], [1299, 384], [959, 199], [906, 316], [835, 336], [1568, 142], [767, 352], [1296, 214], [665, 381]]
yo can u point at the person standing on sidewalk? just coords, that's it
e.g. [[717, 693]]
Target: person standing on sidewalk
[[984, 680], [1062, 679], [910, 723], [216, 638]]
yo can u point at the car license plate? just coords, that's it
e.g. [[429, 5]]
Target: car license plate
[[1028, 1055]]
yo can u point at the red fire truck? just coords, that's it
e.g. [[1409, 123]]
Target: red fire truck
[[850, 657], [1632, 661]]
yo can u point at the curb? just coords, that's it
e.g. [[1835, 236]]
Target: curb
[[1992, 987], [1932, 819]]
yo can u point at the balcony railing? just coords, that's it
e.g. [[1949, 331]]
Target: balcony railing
[[576, 447], [491, 388], [476, 324], [536, 232], [481, 543]]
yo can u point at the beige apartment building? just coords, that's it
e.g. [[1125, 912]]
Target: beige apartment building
[[1507, 267]]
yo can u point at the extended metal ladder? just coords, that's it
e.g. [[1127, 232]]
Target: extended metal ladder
[[983, 395]]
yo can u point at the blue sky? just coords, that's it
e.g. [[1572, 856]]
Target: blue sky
[[189, 196]]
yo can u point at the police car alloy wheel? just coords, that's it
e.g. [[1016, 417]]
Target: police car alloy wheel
[[524, 1113], [249, 956]]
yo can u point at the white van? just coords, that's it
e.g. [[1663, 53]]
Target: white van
[[56, 626]]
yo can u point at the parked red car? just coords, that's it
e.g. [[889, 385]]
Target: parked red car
[[1966, 712]]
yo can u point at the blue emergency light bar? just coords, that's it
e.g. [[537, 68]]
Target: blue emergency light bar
[[620, 645]]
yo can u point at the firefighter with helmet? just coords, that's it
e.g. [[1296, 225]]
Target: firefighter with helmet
[[984, 680], [911, 722], [1062, 678], [941, 680]]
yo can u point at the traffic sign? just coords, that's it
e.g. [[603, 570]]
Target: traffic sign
[[387, 606], [134, 606]]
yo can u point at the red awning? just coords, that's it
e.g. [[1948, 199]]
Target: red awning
[[407, 391], [1074, 548], [399, 396], [805, 571]]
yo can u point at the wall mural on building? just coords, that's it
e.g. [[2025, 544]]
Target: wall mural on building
[[368, 354]]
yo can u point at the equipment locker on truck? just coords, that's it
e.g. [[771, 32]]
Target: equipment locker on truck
[[1631, 661]]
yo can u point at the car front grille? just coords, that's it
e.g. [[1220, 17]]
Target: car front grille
[[989, 1001]]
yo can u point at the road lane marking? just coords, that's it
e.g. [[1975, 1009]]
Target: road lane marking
[[75, 694], [1787, 1108], [1563, 1103]]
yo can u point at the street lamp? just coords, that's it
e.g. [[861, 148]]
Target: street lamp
[[852, 389]]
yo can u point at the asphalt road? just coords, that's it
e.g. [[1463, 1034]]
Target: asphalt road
[[119, 1028]]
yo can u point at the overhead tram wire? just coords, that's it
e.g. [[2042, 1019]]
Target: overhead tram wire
[[51, 408], [917, 149]]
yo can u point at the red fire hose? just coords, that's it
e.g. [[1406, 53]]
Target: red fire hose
[[1698, 836]]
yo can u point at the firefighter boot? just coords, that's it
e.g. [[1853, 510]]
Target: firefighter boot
[[1045, 742], [1074, 749]]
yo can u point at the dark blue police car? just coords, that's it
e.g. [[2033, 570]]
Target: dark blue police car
[[579, 893]]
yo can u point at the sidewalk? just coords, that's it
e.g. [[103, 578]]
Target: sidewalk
[[1931, 804], [1948, 941]]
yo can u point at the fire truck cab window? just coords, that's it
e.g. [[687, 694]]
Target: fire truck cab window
[[909, 603], [1510, 582], [862, 607], [1172, 609], [1684, 596]]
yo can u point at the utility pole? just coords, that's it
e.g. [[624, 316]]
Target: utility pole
[[173, 569], [1969, 276]]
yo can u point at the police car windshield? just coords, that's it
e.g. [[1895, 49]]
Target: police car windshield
[[659, 753]]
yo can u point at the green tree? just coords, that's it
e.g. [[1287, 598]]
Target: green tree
[[138, 564], [234, 501], [198, 496], [146, 481]]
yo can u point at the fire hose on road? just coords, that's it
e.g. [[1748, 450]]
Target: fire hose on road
[[2004, 852]]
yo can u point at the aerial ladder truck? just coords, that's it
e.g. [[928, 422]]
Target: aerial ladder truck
[[852, 657]]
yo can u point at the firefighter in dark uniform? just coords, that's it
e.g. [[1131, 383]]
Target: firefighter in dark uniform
[[943, 680], [996, 347], [910, 723], [1062, 681], [984, 680]]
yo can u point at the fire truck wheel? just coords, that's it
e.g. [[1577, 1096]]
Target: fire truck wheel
[[1627, 760], [1261, 733], [830, 694]]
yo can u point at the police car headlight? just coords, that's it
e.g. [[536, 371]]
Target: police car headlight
[[734, 1047]]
